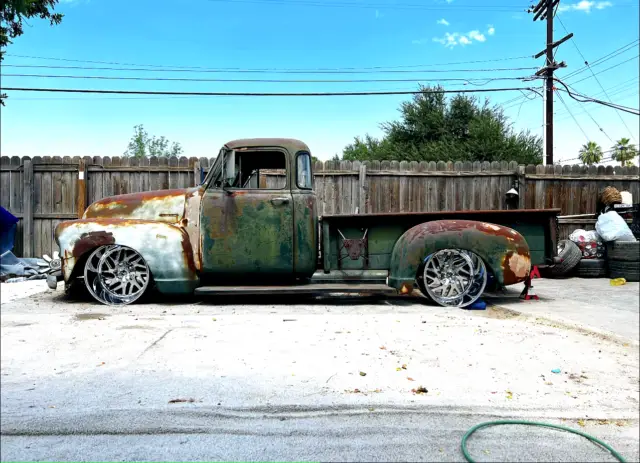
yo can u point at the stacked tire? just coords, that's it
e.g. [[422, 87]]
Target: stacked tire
[[623, 259], [591, 268], [570, 254]]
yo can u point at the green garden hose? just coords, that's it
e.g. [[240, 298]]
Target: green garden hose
[[486, 424]]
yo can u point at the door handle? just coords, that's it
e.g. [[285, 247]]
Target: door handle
[[278, 201]]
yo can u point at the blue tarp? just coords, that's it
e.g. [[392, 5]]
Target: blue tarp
[[8, 223]]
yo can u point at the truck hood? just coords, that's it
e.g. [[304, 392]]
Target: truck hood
[[162, 206]]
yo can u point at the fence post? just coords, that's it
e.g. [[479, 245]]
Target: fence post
[[197, 174], [27, 209], [81, 191], [362, 183], [522, 187]]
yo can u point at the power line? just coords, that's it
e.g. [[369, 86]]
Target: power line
[[587, 99], [605, 70], [186, 79], [603, 59], [518, 99], [619, 91], [267, 71], [386, 6], [256, 94], [597, 80], [633, 93], [271, 69], [574, 119]]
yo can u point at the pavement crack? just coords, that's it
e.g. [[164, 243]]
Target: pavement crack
[[156, 342]]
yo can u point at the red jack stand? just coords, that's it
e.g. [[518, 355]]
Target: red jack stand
[[528, 293]]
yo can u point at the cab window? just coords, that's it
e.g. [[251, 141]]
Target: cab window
[[253, 170], [304, 177]]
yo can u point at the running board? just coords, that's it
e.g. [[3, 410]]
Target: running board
[[329, 288]]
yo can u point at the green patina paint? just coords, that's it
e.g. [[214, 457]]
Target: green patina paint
[[246, 234], [306, 233]]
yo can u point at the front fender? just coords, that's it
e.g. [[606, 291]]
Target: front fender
[[503, 250], [165, 247]]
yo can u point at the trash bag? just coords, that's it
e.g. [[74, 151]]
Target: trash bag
[[611, 227]]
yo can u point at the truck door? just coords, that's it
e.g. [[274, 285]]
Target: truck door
[[247, 216]]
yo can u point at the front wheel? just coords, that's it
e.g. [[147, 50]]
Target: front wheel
[[116, 275], [452, 277]]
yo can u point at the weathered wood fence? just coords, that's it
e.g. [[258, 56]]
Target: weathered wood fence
[[44, 191]]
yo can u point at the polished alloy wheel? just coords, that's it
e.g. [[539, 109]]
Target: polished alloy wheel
[[453, 277], [116, 275]]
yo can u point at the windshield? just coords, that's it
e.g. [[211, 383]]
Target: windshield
[[215, 167]]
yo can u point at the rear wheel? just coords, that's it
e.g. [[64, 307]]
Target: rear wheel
[[116, 275], [453, 277]]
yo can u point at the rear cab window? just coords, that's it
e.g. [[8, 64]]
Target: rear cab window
[[304, 176]]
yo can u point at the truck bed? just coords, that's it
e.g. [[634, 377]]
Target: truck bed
[[382, 230]]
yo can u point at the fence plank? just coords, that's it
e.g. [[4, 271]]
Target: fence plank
[[27, 208]]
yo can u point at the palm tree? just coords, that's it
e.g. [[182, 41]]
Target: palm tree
[[590, 153], [624, 152]]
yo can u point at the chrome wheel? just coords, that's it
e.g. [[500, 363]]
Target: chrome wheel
[[116, 275], [453, 277]]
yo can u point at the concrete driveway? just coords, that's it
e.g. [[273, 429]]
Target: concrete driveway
[[291, 379]]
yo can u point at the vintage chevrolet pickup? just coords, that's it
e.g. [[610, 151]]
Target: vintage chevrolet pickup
[[237, 233]]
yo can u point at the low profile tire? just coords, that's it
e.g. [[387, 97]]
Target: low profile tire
[[628, 251], [630, 271], [591, 268], [571, 256], [452, 277], [116, 275]]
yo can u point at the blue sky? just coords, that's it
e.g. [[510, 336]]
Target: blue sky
[[301, 34]]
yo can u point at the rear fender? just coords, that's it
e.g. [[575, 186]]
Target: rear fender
[[165, 247], [503, 250]]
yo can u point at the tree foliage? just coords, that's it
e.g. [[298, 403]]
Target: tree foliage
[[141, 145], [12, 16], [590, 153], [624, 152], [432, 128]]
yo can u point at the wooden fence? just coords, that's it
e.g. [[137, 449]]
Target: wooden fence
[[44, 191]]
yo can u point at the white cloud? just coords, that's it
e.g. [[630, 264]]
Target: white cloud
[[442, 21], [491, 30], [449, 1], [476, 35], [451, 39], [585, 6]]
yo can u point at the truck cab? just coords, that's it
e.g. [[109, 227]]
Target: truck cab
[[255, 225]]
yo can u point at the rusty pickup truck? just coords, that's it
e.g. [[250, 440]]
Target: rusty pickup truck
[[242, 231]]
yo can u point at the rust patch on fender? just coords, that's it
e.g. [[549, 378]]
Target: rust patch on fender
[[91, 240], [516, 266]]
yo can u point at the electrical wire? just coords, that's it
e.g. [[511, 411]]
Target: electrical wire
[[603, 58], [271, 69], [267, 71], [386, 6], [605, 70], [587, 99], [256, 94], [597, 80], [186, 79], [574, 119]]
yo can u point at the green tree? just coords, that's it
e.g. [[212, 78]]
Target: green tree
[[432, 128], [141, 145], [590, 153], [12, 15], [624, 152]]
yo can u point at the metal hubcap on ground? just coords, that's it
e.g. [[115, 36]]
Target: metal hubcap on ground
[[453, 277], [116, 275]]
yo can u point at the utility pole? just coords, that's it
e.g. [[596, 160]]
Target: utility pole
[[545, 10]]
